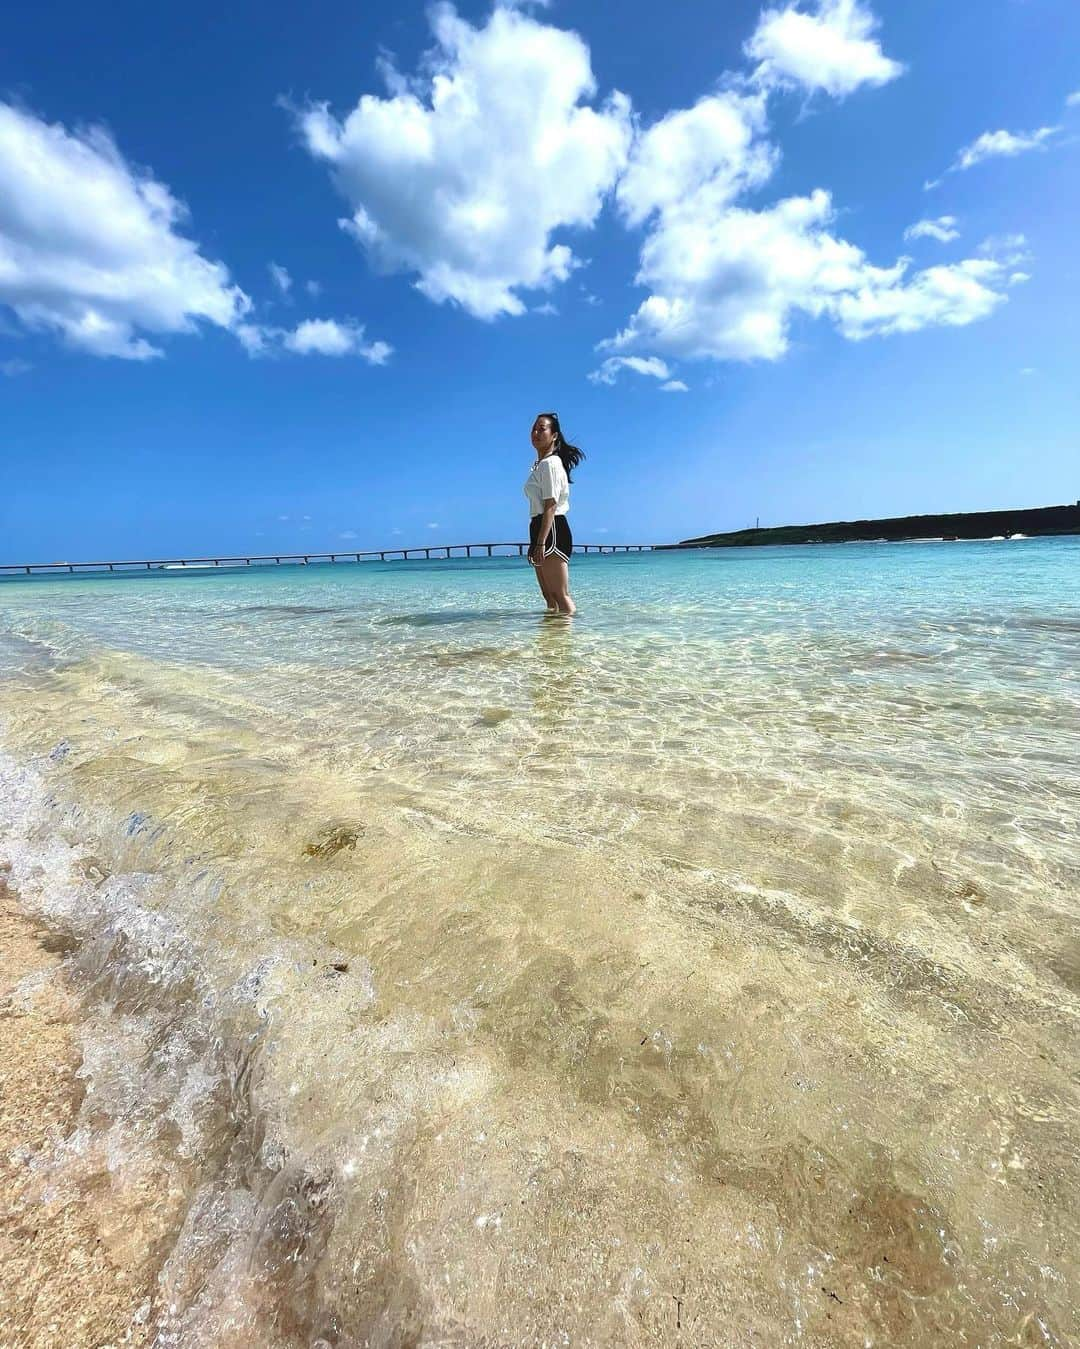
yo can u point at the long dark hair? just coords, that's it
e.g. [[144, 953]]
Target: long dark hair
[[570, 455]]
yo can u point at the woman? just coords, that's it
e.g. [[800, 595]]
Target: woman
[[548, 490]]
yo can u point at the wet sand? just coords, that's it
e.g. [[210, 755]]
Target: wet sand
[[62, 1288]]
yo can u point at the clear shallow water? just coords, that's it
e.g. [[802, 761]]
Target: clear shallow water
[[709, 963]]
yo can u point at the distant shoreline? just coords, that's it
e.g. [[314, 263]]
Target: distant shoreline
[[1039, 521]]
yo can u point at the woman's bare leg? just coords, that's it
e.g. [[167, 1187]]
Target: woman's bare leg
[[556, 580], [548, 597]]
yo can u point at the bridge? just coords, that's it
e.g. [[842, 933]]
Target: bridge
[[441, 550]]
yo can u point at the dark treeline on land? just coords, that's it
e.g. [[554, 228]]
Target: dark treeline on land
[[968, 525]]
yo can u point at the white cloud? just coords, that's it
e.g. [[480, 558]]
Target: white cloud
[[281, 278], [314, 337], [348, 534], [831, 48], [89, 247], [996, 145], [954, 295], [433, 525], [327, 337], [1008, 249], [675, 386], [713, 149], [15, 367], [255, 338], [726, 284], [313, 288], [1073, 100], [547, 309], [462, 178], [608, 372], [943, 229], [993, 144]]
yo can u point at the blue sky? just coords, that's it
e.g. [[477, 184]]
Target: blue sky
[[727, 206]]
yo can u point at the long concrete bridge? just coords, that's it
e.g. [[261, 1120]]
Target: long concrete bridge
[[441, 550]]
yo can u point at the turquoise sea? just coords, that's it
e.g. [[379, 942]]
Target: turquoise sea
[[702, 969]]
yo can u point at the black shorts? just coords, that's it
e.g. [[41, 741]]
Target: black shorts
[[559, 541]]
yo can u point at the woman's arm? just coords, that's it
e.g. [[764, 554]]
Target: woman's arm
[[545, 529]]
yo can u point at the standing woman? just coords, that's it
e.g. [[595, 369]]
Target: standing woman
[[548, 490]]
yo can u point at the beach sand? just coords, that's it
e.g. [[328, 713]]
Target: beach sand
[[61, 1287]]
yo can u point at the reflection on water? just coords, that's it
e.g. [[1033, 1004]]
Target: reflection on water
[[700, 969], [557, 679]]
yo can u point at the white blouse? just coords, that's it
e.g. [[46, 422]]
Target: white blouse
[[548, 479]]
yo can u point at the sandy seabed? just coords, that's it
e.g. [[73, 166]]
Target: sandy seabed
[[62, 1286], [434, 975]]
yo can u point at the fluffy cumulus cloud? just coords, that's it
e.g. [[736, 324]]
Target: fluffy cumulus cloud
[[727, 284], [90, 246], [955, 295], [315, 337], [326, 337], [943, 229], [714, 150], [463, 176], [449, 179], [1073, 100], [831, 47], [726, 281]]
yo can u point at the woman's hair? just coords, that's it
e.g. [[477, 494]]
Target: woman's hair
[[570, 455]]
